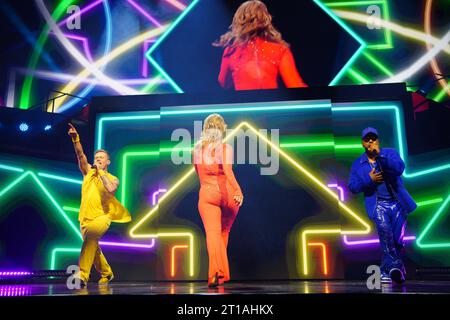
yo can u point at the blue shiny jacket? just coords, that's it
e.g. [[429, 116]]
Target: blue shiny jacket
[[393, 167]]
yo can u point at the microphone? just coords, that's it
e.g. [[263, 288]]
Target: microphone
[[94, 167]]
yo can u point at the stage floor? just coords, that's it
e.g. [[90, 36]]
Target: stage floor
[[234, 288]]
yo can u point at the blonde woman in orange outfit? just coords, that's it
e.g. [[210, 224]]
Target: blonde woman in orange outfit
[[220, 195]]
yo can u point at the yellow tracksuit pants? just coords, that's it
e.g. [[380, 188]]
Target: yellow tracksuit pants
[[92, 231]]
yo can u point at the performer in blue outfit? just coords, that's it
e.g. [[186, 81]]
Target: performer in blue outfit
[[377, 173]]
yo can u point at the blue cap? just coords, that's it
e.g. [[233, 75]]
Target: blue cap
[[368, 130]]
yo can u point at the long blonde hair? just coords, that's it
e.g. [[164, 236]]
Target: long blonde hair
[[252, 19], [214, 128]]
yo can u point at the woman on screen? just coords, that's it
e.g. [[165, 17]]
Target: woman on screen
[[220, 195], [255, 53]]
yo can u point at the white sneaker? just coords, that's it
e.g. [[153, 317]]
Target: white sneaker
[[385, 279], [397, 275]]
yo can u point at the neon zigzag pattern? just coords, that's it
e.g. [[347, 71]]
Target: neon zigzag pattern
[[399, 133], [364, 226], [60, 210], [432, 221]]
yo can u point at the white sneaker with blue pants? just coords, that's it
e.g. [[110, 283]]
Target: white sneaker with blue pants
[[390, 220]]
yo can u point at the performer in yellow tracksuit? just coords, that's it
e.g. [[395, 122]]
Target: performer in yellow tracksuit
[[98, 208]]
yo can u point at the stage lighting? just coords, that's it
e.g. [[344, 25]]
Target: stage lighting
[[47, 127], [24, 127]]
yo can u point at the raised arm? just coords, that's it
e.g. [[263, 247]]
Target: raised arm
[[289, 72], [82, 159], [227, 163]]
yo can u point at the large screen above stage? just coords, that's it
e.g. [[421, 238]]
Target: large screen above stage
[[116, 47]]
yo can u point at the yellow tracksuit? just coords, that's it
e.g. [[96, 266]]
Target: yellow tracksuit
[[98, 208]]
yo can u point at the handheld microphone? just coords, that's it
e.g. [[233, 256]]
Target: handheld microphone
[[94, 167]]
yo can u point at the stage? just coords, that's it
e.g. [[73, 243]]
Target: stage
[[336, 287], [237, 300]]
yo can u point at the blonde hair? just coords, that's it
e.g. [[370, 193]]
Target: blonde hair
[[251, 20], [214, 128], [104, 151]]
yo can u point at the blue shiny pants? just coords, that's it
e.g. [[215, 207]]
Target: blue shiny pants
[[390, 220]]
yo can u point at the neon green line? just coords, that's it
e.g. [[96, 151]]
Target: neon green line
[[71, 209], [378, 64], [307, 144], [26, 89], [358, 76], [151, 86], [352, 33], [53, 201], [46, 192], [353, 3], [442, 93], [170, 150], [430, 224], [429, 202], [14, 183], [394, 108], [124, 169], [386, 32], [56, 250], [349, 146]]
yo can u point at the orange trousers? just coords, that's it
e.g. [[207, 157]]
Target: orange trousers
[[218, 212]]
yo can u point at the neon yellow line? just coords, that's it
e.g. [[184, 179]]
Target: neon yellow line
[[304, 243], [407, 32], [114, 54], [296, 164]]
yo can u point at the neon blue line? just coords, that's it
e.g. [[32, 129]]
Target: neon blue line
[[161, 39], [400, 137], [9, 168], [247, 109], [101, 120], [107, 50], [14, 183], [165, 75], [50, 197], [55, 177], [352, 33]]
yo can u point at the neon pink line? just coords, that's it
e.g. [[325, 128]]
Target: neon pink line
[[361, 242], [64, 77], [340, 189], [128, 245], [85, 44], [144, 13], [144, 60], [177, 4], [156, 193], [371, 241], [82, 11]]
